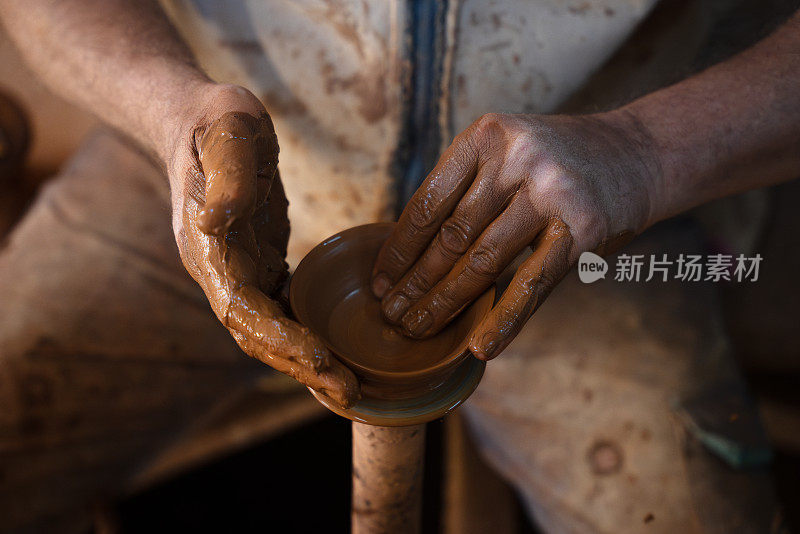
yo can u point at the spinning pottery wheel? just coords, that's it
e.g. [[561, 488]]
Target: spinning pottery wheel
[[404, 382]]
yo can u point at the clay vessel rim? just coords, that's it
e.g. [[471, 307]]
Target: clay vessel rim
[[483, 305]]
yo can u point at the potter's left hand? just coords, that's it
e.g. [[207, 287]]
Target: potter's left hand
[[559, 184], [231, 226]]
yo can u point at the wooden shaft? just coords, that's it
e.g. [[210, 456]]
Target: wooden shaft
[[387, 479]]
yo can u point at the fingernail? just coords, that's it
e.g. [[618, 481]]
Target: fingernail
[[380, 285], [417, 322], [396, 305]]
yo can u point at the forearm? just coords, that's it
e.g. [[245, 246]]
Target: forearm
[[734, 127], [119, 59]]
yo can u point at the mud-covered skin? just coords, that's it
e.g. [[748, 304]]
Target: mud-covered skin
[[559, 184], [230, 222]]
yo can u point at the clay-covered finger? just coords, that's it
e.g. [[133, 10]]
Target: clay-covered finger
[[483, 202], [223, 265], [255, 260], [335, 381], [270, 226], [229, 277], [235, 152], [422, 217], [266, 334], [270, 221], [262, 321], [476, 270], [532, 283]]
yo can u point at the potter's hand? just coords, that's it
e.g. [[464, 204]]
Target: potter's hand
[[561, 185], [229, 214]]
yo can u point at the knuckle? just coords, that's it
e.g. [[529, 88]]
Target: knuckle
[[420, 214], [520, 147], [551, 183], [592, 226], [454, 237], [417, 284], [394, 256], [490, 121], [462, 153], [543, 280], [443, 303], [484, 262], [489, 127], [526, 279]]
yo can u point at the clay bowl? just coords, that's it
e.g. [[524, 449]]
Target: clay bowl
[[400, 377]]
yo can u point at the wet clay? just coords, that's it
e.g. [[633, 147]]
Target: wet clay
[[233, 242], [330, 292]]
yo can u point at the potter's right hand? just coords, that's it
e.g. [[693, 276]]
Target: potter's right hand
[[561, 185], [229, 218]]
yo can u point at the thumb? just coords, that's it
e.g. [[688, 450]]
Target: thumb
[[236, 151]]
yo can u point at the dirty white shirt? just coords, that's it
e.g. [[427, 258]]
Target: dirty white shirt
[[336, 75]]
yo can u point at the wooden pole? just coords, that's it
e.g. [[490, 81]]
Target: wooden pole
[[387, 479]]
